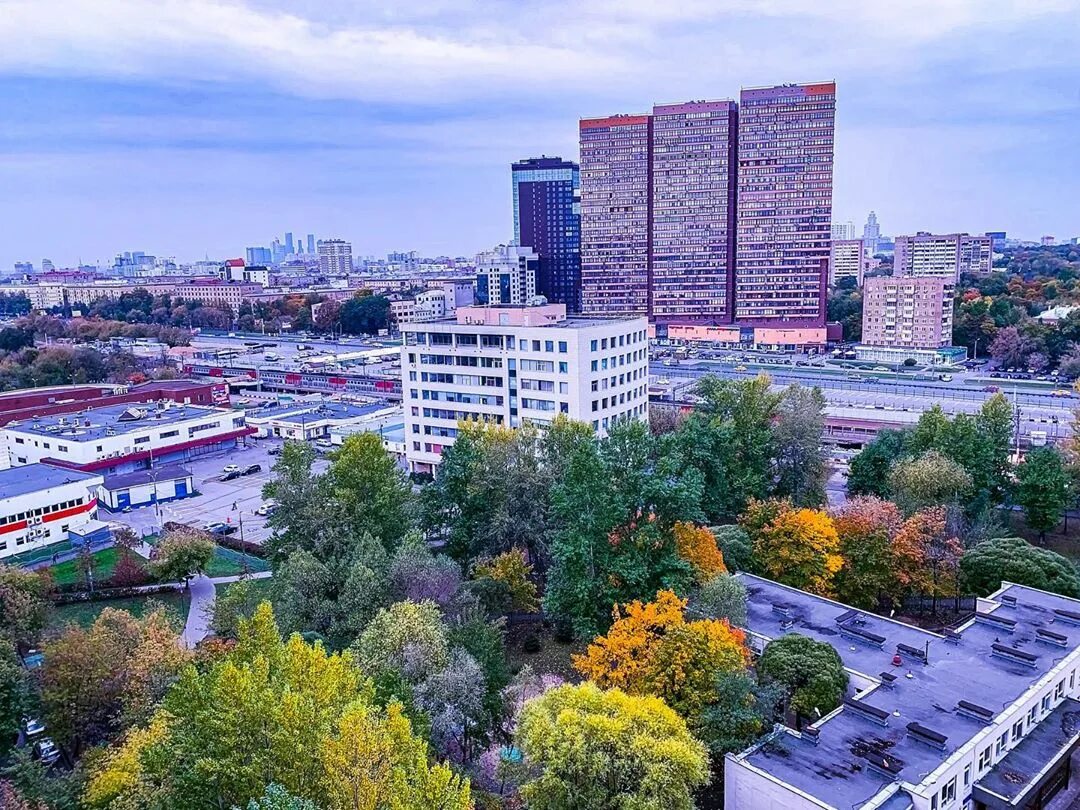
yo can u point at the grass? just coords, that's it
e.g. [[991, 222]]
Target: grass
[[229, 563], [104, 561], [553, 657], [83, 614]]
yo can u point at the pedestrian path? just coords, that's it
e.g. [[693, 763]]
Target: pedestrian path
[[203, 591]]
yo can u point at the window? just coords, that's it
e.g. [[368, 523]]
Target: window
[[549, 345], [1017, 730], [1059, 690], [1002, 742], [1046, 703], [564, 367], [142, 439], [592, 345], [967, 775], [562, 347], [168, 434], [948, 792], [984, 759], [1031, 717]]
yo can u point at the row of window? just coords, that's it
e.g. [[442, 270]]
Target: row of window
[[41, 511]]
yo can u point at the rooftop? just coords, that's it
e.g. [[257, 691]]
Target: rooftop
[[36, 477], [166, 472], [990, 662], [110, 420], [311, 412]]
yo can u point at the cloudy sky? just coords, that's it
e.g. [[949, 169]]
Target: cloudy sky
[[198, 127]]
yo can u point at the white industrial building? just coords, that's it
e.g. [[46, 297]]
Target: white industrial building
[[983, 717], [511, 364], [122, 438], [40, 504]]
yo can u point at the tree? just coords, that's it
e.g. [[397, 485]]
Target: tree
[[453, 700], [1043, 489], [182, 553], [607, 750], [928, 480], [407, 640], [724, 597], [24, 604], [869, 474], [801, 468], [1012, 559], [741, 711], [365, 314], [99, 680], [369, 490], [697, 545], [737, 548], [417, 575], [811, 672], [233, 603], [1010, 348], [510, 574], [800, 548], [305, 515], [274, 712], [11, 798], [927, 554], [652, 650], [14, 696], [867, 527], [277, 798]]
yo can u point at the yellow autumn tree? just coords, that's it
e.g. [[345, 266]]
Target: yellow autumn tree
[[651, 649], [697, 545], [800, 547]]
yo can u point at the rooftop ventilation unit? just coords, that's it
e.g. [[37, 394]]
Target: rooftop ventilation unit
[[846, 616], [1050, 637], [1014, 655], [865, 636], [888, 680], [1008, 600], [952, 636], [811, 734], [974, 711], [998, 622], [927, 736], [911, 652], [1068, 616], [782, 609], [887, 766], [867, 712]]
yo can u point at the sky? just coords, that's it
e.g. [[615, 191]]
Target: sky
[[194, 128]]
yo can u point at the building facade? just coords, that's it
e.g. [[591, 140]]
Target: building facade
[[871, 234], [335, 257], [946, 256], [509, 365], [911, 312], [547, 218], [983, 717], [785, 204], [847, 259], [39, 504], [507, 274], [615, 215]]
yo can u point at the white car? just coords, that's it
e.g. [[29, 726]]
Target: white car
[[228, 468], [265, 509]]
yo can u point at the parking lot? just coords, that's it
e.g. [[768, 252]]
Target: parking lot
[[232, 502]]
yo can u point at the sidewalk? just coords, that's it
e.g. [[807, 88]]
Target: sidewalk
[[203, 593]]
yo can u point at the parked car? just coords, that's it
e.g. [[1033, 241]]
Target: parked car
[[991, 389], [251, 469], [228, 468], [265, 509], [46, 751], [220, 528], [274, 451], [230, 475]]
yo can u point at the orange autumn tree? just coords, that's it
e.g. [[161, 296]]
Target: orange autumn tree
[[652, 650], [928, 555], [697, 545], [800, 548]]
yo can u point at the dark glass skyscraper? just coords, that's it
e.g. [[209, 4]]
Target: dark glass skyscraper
[[547, 218]]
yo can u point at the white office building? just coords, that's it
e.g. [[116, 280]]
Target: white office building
[[508, 365], [984, 717], [506, 275]]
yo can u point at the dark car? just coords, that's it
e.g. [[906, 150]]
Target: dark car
[[220, 528], [229, 476], [274, 451], [251, 469]]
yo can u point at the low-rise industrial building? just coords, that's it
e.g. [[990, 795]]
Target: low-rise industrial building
[[122, 438], [40, 503], [984, 717], [314, 420], [168, 482]]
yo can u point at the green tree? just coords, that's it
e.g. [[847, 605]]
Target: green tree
[[14, 695], [277, 798], [741, 711], [365, 314], [1043, 488], [607, 750], [869, 474], [1012, 559], [738, 550], [305, 514], [407, 639], [369, 490], [181, 554], [811, 672], [801, 469], [723, 597], [24, 604], [928, 480]]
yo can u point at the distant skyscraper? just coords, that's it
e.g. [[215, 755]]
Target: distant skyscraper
[[785, 203], [290, 248], [335, 257], [871, 234], [847, 260], [258, 256], [311, 243], [547, 218], [47, 265], [843, 230], [615, 214], [24, 268]]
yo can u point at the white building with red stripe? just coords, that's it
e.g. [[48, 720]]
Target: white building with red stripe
[[40, 503]]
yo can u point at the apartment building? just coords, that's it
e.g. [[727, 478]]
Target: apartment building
[[847, 259], [984, 717], [335, 257], [507, 274], [914, 312], [509, 365], [942, 255]]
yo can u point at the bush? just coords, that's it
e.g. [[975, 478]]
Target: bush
[[532, 643]]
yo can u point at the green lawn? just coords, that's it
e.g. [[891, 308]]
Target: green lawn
[[84, 613], [104, 561], [228, 563]]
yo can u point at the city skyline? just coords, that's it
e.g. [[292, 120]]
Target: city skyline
[[135, 134]]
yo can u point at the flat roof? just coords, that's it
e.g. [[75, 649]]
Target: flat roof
[[72, 427], [836, 770], [312, 412], [570, 322], [167, 472], [31, 478]]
